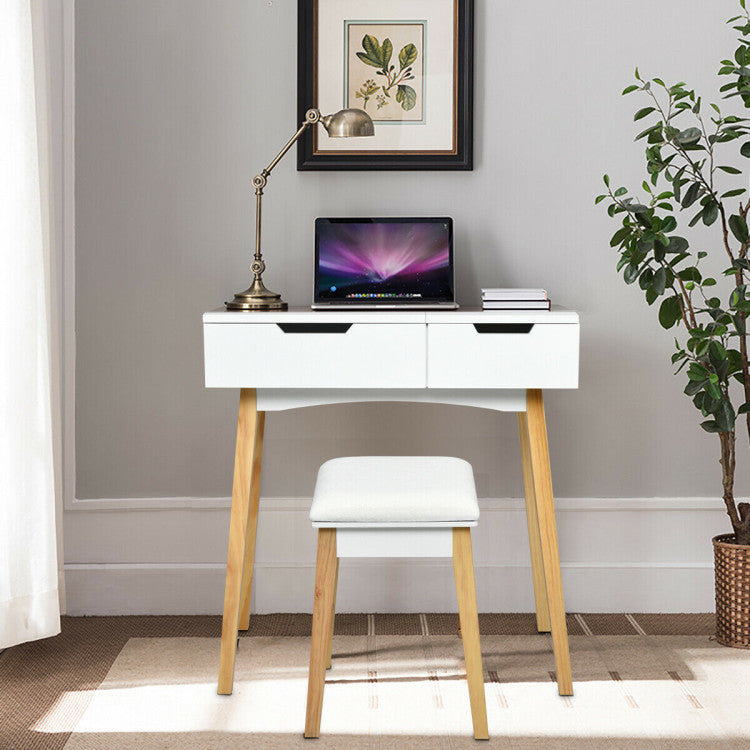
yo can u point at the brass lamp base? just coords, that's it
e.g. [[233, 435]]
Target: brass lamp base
[[256, 297]]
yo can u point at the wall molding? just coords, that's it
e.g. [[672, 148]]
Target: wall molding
[[618, 555], [68, 262], [562, 504], [367, 586]]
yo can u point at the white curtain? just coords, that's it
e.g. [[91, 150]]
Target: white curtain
[[29, 607]]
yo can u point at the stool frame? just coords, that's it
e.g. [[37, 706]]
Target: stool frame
[[365, 540]]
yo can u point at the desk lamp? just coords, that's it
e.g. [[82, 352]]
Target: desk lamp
[[346, 123]]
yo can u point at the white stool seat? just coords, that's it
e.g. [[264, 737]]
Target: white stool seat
[[395, 490]]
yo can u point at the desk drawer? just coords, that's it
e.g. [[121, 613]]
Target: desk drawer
[[502, 355], [315, 355]]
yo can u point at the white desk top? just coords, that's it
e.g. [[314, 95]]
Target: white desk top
[[464, 315]]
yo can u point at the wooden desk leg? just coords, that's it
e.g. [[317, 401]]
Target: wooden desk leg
[[539, 453], [535, 545], [325, 578], [463, 568], [247, 424], [252, 525]]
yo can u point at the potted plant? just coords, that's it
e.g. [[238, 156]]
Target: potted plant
[[690, 180]]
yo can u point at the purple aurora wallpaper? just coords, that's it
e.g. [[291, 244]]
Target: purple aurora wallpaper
[[384, 260]]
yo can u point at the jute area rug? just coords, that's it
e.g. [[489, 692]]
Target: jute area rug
[[386, 691]]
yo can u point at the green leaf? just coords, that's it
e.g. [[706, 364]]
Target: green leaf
[[738, 225], [725, 416], [387, 51], [619, 236], [407, 56], [737, 298], [670, 312], [669, 224], [691, 195], [696, 372], [688, 137], [677, 245], [710, 426], [730, 170], [620, 191], [745, 149], [733, 193], [648, 131], [691, 273], [606, 180], [744, 409], [696, 218], [373, 49], [660, 280], [368, 61], [713, 390], [702, 347], [631, 273], [710, 213], [641, 113], [630, 89], [694, 386], [406, 96], [716, 352]]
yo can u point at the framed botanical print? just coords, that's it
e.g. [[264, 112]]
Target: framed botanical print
[[407, 63]]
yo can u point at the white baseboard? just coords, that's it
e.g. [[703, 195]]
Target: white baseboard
[[618, 555], [374, 586]]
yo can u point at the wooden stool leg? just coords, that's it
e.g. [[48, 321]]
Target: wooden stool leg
[[463, 567], [325, 575], [539, 453], [333, 614], [247, 423], [252, 525], [535, 545]]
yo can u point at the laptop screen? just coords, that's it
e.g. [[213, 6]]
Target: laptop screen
[[390, 260]]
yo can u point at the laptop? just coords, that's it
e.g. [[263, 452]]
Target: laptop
[[389, 263]]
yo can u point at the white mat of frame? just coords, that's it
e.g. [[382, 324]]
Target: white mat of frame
[[631, 692]]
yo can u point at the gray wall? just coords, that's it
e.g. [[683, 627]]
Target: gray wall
[[180, 102]]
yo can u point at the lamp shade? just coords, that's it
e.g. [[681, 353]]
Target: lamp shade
[[348, 123]]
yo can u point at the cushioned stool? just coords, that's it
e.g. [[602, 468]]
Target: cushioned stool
[[394, 506]]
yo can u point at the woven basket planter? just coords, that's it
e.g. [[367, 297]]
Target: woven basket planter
[[732, 569]]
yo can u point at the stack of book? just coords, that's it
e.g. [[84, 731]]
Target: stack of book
[[515, 299]]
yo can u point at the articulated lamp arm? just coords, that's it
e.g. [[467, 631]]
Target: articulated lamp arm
[[343, 124], [311, 117]]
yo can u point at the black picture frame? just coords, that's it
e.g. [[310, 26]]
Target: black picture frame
[[462, 157]]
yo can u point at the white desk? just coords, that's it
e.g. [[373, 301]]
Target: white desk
[[497, 360]]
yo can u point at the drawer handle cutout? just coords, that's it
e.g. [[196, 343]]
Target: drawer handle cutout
[[503, 327], [314, 327]]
